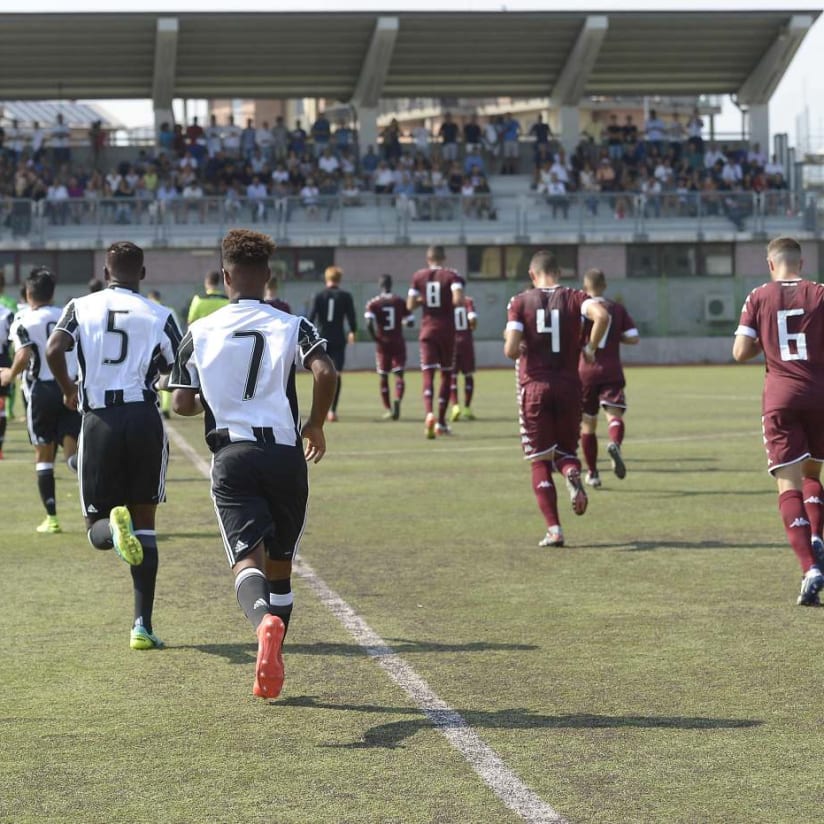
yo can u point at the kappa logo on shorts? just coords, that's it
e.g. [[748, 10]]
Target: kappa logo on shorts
[[240, 546], [91, 508]]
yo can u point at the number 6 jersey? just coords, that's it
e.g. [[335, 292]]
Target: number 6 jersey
[[787, 317], [242, 358], [123, 341]]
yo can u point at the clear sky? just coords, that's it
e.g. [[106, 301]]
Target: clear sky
[[803, 84]]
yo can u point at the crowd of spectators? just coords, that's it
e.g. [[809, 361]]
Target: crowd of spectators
[[265, 172]]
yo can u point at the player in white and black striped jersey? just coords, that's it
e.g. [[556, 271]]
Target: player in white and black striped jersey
[[238, 367], [124, 342], [49, 422], [6, 318]]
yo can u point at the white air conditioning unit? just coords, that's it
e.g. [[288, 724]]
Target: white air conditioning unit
[[719, 308]]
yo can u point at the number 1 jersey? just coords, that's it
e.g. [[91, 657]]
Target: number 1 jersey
[[123, 341], [787, 317]]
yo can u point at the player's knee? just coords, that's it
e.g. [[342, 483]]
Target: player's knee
[[275, 550]]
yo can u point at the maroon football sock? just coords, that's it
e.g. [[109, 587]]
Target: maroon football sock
[[796, 525], [428, 389], [385, 390], [814, 504], [589, 446], [616, 430], [566, 463], [469, 389], [544, 491], [400, 388], [443, 395]]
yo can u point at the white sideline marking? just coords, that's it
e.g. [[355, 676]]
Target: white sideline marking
[[492, 770]]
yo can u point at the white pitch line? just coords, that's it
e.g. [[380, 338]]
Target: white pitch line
[[491, 768]]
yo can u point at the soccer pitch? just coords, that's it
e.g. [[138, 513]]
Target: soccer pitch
[[656, 669]]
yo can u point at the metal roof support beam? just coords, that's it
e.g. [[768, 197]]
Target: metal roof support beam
[[165, 69], [375, 66], [765, 77], [569, 88]]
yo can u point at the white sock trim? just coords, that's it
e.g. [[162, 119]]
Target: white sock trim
[[280, 600], [246, 573], [42, 467], [145, 532]]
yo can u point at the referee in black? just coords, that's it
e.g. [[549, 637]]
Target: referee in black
[[330, 308], [238, 367]]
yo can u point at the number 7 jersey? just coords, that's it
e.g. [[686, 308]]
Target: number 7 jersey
[[787, 317], [242, 359], [123, 342]]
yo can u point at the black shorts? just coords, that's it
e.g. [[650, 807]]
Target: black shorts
[[122, 458], [260, 493], [5, 361], [337, 354], [48, 419]]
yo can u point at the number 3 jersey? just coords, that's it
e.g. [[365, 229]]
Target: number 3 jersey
[[550, 321], [787, 317], [242, 358], [123, 341]]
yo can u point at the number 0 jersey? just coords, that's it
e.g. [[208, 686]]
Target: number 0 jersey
[[787, 317], [31, 330], [123, 341], [242, 358], [550, 320]]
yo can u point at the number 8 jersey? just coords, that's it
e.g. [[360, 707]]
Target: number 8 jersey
[[123, 341], [243, 358], [787, 317]]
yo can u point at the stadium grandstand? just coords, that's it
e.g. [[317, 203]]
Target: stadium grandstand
[[363, 138]]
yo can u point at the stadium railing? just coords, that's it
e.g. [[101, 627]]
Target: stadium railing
[[389, 219]]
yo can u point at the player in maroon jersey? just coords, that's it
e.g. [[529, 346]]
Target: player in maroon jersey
[[386, 315], [438, 291], [465, 322], [785, 319], [543, 334], [271, 297], [602, 381]]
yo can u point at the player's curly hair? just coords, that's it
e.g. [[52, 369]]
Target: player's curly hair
[[247, 248]]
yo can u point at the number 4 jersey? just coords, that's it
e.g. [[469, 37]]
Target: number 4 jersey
[[242, 358], [123, 341], [787, 317]]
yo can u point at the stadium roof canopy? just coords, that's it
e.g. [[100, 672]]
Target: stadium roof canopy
[[358, 56]]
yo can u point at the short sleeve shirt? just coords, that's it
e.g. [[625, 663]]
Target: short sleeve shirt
[[607, 367], [436, 286]]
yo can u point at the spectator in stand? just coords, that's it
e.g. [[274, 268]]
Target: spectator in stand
[[655, 130], [404, 192], [677, 136], [420, 139], [248, 140], [712, 156], [280, 140], [556, 196], [343, 138], [321, 133], [350, 191], [541, 133], [588, 184], [37, 137], [193, 197], [472, 135], [196, 142], [57, 207], [510, 135], [492, 143], [60, 142], [297, 139], [328, 162], [695, 131], [15, 142], [756, 159], [391, 140], [543, 157], [560, 168], [630, 131], [448, 133], [384, 179], [615, 138], [214, 137], [731, 172], [231, 138], [263, 142], [474, 159], [97, 141], [774, 169], [257, 195], [310, 198]]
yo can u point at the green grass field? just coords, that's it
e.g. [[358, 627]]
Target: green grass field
[[656, 669]]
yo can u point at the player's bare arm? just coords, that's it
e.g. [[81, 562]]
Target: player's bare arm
[[58, 344], [457, 296], [325, 382], [512, 343], [186, 402], [599, 316], [631, 339], [413, 301], [9, 373], [745, 348]]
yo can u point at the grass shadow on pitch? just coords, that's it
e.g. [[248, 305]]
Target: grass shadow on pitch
[[243, 653], [395, 733], [650, 546]]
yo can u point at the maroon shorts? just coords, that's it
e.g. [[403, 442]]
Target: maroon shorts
[[390, 357], [438, 351], [550, 417], [791, 435], [464, 354], [597, 395]]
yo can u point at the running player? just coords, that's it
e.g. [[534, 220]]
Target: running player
[[49, 422], [543, 334], [238, 365], [603, 381], [784, 319], [386, 314], [123, 342], [438, 290], [210, 301], [330, 308], [465, 322], [6, 389]]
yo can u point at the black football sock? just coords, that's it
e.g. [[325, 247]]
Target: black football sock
[[3, 421], [252, 590], [144, 576], [45, 483], [281, 600], [337, 395], [100, 534]]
